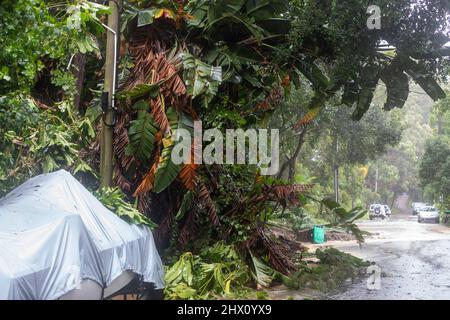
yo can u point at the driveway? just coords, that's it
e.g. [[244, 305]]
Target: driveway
[[413, 260]]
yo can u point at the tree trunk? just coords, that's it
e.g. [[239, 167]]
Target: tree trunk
[[283, 168], [336, 169], [292, 170], [350, 181], [440, 124], [376, 179], [291, 162], [79, 63], [394, 196]]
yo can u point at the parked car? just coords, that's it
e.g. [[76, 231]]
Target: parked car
[[387, 210], [415, 206], [428, 213], [377, 211]]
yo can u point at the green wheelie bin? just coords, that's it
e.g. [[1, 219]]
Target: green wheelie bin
[[318, 234]]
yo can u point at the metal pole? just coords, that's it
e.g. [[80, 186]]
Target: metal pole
[[376, 179], [336, 171], [112, 43], [336, 183]]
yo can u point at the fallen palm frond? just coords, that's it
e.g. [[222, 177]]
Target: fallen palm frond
[[272, 99], [206, 200], [283, 194], [306, 120], [334, 267], [189, 228], [121, 142], [188, 172], [188, 175], [215, 271], [287, 194], [148, 180], [280, 255], [120, 180]]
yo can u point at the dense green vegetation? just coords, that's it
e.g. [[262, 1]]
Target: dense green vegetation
[[41, 128], [309, 68], [434, 171]]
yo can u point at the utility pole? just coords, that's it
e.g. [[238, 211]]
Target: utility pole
[[336, 183], [376, 179], [336, 169], [108, 101]]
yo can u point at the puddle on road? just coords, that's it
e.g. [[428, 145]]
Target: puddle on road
[[414, 259]]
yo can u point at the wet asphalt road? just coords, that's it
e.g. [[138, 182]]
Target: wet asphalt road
[[414, 260]]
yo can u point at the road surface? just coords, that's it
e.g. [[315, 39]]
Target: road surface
[[414, 260]]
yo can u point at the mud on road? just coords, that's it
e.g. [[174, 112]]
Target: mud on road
[[414, 260]]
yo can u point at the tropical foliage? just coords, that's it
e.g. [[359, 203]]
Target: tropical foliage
[[40, 129], [435, 164], [309, 68]]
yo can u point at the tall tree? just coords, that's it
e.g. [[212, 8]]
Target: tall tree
[[435, 168]]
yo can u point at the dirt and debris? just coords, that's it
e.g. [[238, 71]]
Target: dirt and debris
[[339, 236], [288, 238]]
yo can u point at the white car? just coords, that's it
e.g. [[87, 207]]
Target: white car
[[415, 206], [377, 211], [428, 213]]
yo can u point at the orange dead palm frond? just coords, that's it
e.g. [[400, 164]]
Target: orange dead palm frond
[[158, 113], [148, 180], [271, 100], [187, 175], [155, 65], [166, 68], [165, 71], [286, 80], [188, 172], [306, 120], [182, 14], [259, 179], [287, 194]]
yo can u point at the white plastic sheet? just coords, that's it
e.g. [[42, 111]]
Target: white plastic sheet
[[54, 234]]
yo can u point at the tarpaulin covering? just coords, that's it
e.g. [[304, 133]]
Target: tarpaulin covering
[[54, 233]]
